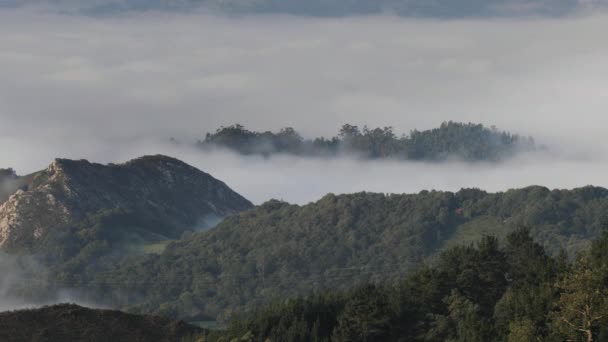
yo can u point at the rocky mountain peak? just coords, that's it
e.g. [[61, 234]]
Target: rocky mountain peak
[[162, 189]]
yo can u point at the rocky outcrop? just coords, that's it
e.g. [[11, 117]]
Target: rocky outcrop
[[159, 188]]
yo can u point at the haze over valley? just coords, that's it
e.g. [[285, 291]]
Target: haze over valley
[[108, 89], [303, 171]]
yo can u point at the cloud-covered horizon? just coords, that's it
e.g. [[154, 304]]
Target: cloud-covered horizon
[[108, 89], [325, 8]]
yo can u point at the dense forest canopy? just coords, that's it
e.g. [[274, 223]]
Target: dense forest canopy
[[283, 250], [480, 292], [486, 290], [470, 142]]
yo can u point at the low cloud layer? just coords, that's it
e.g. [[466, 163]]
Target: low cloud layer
[[302, 180], [327, 8], [23, 276], [111, 88]]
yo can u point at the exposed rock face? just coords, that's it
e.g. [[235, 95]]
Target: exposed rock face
[[160, 188], [68, 322]]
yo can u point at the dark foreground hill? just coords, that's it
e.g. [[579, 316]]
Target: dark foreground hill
[[283, 250], [67, 322]]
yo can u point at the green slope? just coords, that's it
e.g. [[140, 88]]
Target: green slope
[[283, 250]]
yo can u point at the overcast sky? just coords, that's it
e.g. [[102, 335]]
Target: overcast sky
[[110, 88]]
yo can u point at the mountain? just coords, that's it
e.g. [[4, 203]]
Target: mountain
[[282, 250], [68, 322], [469, 142], [166, 195], [66, 224]]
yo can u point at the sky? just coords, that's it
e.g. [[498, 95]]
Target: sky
[[110, 88]]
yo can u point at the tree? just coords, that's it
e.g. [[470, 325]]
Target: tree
[[466, 141], [583, 302], [463, 323], [348, 131], [366, 317], [523, 330]]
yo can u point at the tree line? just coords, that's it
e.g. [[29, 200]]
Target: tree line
[[470, 142]]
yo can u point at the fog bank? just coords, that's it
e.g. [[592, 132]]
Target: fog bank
[[108, 89], [302, 180], [72, 77]]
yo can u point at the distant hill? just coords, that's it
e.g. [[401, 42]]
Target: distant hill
[[469, 142], [67, 322], [160, 195], [283, 250]]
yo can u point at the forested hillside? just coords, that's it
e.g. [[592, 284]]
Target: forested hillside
[[470, 142], [481, 292], [275, 250], [283, 250], [63, 225]]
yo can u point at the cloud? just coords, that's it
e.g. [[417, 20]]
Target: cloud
[[326, 8], [25, 284], [302, 180], [17, 271], [114, 87]]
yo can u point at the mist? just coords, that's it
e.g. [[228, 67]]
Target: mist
[[25, 284], [301, 180], [112, 88]]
